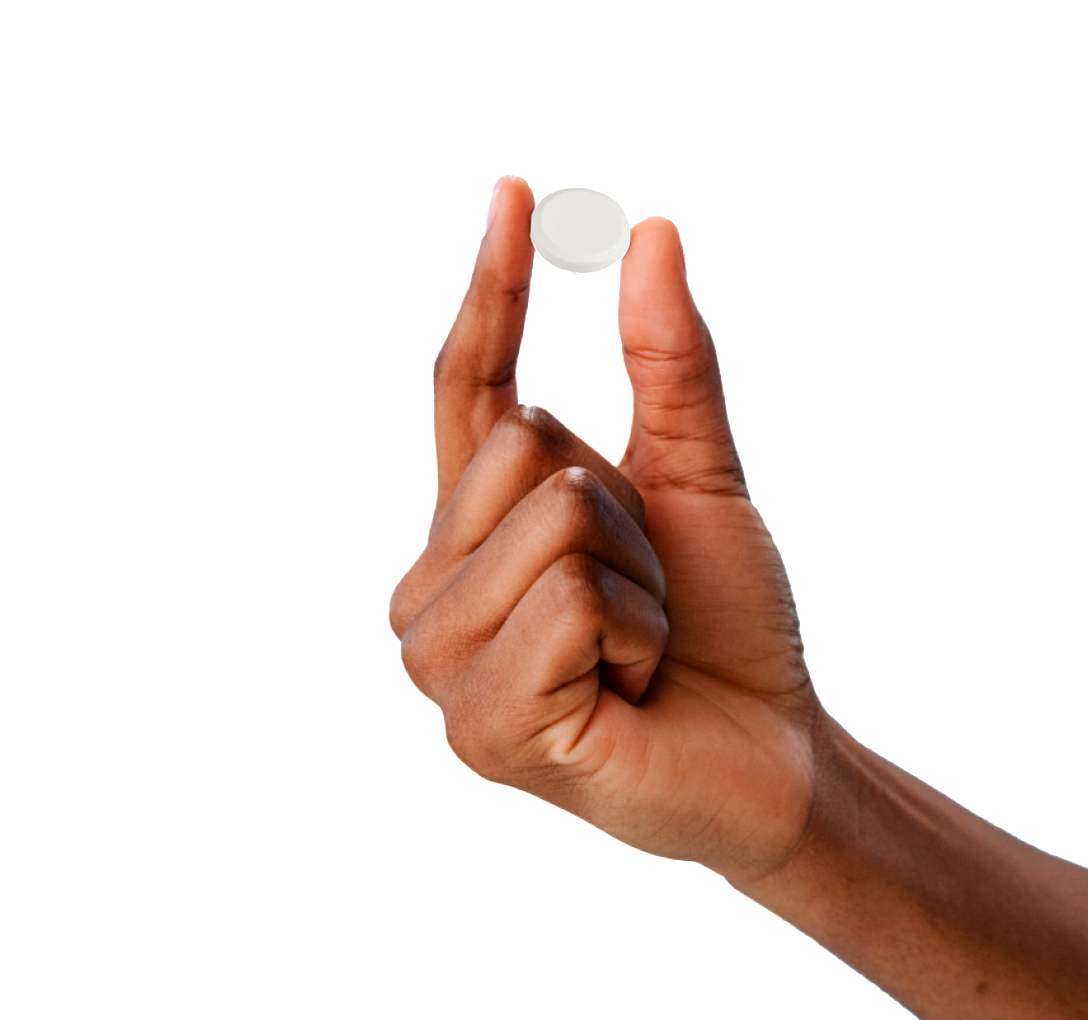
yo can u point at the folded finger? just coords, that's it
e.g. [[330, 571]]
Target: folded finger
[[571, 512], [526, 446], [582, 637]]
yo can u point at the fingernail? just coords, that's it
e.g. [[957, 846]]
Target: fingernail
[[494, 203]]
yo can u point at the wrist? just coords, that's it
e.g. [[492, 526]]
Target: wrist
[[949, 914]]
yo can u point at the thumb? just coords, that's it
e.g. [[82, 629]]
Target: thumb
[[680, 436]]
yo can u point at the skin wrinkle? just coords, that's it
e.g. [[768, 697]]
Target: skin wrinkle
[[561, 722], [501, 376], [737, 723], [693, 482], [806, 834]]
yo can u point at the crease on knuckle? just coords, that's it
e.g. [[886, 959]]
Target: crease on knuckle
[[448, 365], [725, 480]]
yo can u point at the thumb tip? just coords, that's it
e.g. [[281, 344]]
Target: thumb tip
[[654, 270], [656, 239]]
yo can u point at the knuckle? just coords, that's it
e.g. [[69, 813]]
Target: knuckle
[[538, 438], [406, 603], [579, 488], [585, 503], [532, 416], [415, 654], [477, 739], [464, 743], [473, 725], [426, 655], [534, 428], [399, 613], [577, 587]]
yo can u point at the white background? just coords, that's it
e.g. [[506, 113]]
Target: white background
[[233, 237]]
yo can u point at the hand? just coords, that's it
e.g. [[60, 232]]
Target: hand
[[618, 640]]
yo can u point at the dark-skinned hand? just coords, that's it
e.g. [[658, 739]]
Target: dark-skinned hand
[[619, 640]]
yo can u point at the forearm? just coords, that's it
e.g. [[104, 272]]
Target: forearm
[[950, 915]]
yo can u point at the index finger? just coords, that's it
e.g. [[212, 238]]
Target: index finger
[[475, 372]]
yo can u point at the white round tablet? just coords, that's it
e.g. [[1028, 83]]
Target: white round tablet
[[580, 230]]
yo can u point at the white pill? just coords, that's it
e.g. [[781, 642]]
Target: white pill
[[580, 230]]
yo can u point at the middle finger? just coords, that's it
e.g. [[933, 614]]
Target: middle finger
[[572, 511], [526, 446]]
